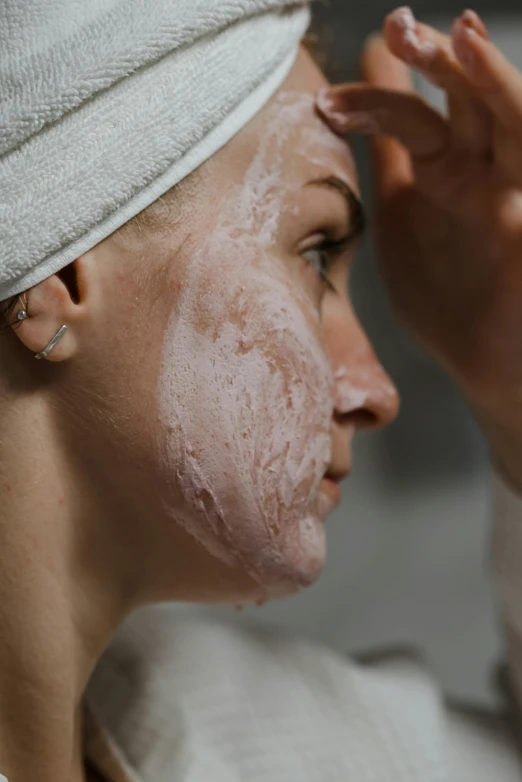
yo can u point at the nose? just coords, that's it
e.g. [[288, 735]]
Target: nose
[[364, 395]]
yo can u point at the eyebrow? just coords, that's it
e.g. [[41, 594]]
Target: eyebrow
[[357, 214]]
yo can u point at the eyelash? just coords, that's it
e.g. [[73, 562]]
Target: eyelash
[[331, 250]]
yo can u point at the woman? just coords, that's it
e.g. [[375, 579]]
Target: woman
[[202, 373]]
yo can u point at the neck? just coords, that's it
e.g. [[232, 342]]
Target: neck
[[60, 600]]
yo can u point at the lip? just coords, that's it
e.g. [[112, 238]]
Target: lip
[[333, 488], [337, 476], [330, 487]]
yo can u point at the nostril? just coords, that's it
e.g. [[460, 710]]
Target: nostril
[[368, 419], [361, 418]]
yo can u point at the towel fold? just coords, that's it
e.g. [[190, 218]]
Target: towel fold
[[107, 104]]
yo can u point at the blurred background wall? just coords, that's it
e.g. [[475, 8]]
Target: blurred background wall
[[409, 545]]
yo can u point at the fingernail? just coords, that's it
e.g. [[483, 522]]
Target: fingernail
[[404, 19], [472, 19], [325, 100], [341, 118], [360, 122], [331, 108], [417, 46], [403, 16], [463, 37]]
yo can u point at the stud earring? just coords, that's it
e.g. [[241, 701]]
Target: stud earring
[[22, 314]]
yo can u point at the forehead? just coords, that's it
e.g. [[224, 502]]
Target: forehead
[[291, 133]]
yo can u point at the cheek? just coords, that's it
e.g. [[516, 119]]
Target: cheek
[[245, 400]]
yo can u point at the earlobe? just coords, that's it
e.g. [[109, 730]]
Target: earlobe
[[44, 316]]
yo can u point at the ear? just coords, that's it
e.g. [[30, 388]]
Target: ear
[[50, 305]]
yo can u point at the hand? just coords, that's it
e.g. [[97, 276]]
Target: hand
[[448, 195]]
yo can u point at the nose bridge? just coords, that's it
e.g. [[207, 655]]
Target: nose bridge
[[362, 387]]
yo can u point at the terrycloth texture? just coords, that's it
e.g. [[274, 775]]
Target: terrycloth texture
[[106, 104], [175, 700]]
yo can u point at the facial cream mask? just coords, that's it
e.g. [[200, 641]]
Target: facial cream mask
[[246, 390]]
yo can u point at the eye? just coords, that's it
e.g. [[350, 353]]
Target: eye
[[321, 257], [319, 260]]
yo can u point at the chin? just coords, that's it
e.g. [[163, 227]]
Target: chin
[[292, 565], [271, 573]]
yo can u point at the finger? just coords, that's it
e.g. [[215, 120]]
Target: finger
[[472, 19], [425, 49], [410, 133], [498, 82], [392, 164], [431, 53], [381, 68], [372, 110], [470, 125], [471, 119]]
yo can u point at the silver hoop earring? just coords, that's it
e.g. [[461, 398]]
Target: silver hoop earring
[[55, 340]]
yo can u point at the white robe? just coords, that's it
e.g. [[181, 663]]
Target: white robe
[[181, 700]]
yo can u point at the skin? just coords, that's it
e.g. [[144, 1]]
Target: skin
[[77, 550], [448, 202], [86, 503]]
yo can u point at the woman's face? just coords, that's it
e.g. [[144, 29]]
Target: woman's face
[[224, 372]]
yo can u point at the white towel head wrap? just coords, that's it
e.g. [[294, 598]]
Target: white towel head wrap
[[107, 104]]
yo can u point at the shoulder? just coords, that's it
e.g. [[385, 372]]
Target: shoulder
[[246, 694], [162, 644]]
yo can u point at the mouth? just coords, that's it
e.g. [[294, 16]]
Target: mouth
[[330, 491]]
